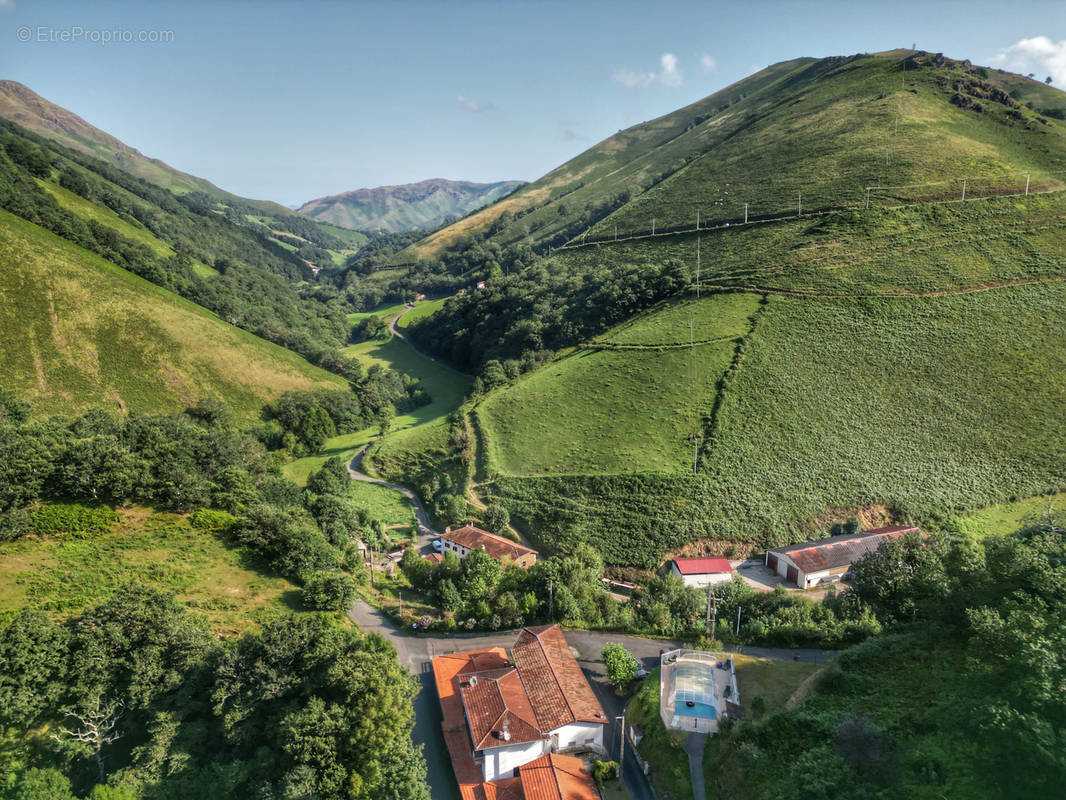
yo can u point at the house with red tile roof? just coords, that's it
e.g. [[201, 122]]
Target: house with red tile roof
[[701, 571], [465, 540], [809, 564], [502, 714]]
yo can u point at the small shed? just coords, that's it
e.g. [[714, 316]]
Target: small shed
[[702, 571]]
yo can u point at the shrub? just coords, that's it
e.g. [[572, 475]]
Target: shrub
[[603, 771], [329, 591], [209, 519], [73, 518]]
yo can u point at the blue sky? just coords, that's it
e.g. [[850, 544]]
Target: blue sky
[[291, 101]]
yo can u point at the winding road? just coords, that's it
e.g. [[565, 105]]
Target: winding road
[[426, 531]]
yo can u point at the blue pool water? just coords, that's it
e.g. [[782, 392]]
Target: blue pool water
[[700, 710]]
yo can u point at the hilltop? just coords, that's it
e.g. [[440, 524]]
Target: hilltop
[[875, 359], [408, 207], [822, 128]]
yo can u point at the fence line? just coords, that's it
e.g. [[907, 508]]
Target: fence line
[[968, 188]]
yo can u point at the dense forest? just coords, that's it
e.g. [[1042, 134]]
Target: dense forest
[[136, 693]]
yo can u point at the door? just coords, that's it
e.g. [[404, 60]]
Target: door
[[771, 562], [792, 575]]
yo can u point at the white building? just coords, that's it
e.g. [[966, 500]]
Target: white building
[[702, 571], [809, 564], [502, 713]]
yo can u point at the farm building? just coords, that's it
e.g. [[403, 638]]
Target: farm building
[[518, 717], [809, 564], [465, 540], [701, 571]]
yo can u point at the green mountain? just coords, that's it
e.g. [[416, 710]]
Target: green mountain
[[825, 129], [410, 207], [29, 110], [78, 332], [899, 361]]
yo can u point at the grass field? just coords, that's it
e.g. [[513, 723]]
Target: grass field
[[77, 332], [385, 311], [1012, 516], [422, 309], [446, 388], [384, 505], [681, 320], [343, 447], [64, 574], [773, 680], [918, 404], [605, 411]]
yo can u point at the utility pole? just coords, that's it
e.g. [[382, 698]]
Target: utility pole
[[737, 631], [1027, 184], [964, 188], [712, 611], [799, 204], [551, 599], [745, 213], [867, 198], [371, 566], [697, 219], [653, 226], [621, 747], [697, 267], [616, 231]]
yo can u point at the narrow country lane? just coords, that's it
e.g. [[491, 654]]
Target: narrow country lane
[[426, 532]]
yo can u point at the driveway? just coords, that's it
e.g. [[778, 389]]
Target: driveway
[[415, 651]]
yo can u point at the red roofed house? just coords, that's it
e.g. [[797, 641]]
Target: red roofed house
[[701, 571], [824, 561], [465, 540], [506, 720]]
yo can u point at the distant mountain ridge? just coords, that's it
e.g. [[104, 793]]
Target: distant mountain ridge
[[406, 207]]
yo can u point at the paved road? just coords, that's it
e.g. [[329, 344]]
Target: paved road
[[426, 532], [416, 650]]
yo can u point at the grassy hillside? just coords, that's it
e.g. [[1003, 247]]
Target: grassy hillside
[[66, 574], [79, 332], [414, 206], [825, 129]]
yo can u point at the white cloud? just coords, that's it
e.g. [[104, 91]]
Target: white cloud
[[1038, 55], [633, 80], [708, 62], [469, 104], [669, 74]]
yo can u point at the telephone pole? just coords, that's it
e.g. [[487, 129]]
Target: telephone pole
[[745, 213], [1027, 184], [551, 599], [697, 267], [964, 188], [621, 747], [712, 611], [697, 219]]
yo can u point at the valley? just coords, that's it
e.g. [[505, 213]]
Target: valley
[[731, 445]]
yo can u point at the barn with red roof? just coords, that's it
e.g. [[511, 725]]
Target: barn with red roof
[[809, 564], [701, 571]]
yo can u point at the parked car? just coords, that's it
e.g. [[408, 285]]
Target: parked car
[[438, 545], [641, 672]]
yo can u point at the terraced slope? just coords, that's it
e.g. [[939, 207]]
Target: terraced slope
[[78, 332]]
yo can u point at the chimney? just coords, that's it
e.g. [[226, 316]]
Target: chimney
[[473, 680], [505, 734]]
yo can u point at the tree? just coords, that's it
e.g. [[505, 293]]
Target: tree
[[495, 518], [1047, 80], [94, 726], [620, 664], [329, 591], [315, 428], [43, 784]]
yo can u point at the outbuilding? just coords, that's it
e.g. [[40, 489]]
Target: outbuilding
[[809, 564], [702, 571]]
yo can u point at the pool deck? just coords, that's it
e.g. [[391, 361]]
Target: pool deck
[[702, 717]]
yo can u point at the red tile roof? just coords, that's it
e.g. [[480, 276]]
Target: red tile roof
[[703, 566], [556, 777], [496, 546], [498, 710], [839, 551], [434, 558], [556, 686]]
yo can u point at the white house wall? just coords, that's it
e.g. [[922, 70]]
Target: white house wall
[[579, 734], [500, 762]]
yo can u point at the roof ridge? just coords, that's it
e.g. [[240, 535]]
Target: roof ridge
[[555, 775]]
